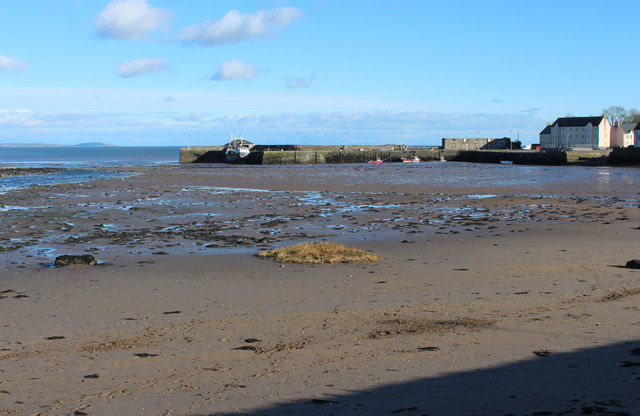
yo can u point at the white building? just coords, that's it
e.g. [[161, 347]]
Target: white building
[[588, 132]]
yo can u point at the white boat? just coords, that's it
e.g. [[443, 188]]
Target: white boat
[[237, 149], [414, 159]]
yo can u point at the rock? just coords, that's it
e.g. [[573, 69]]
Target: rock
[[633, 264], [66, 260]]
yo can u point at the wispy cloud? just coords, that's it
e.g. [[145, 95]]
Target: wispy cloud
[[236, 27], [234, 70], [47, 121], [371, 127], [17, 118], [376, 125], [140, 67], [297, 82], [129, 19], [192, 117], [531, 110], [11, 64]]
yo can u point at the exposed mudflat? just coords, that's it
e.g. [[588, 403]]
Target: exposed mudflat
[[501, 290]]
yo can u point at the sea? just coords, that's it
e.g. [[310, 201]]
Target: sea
[[80, 156], [79, 163], [83, 164]]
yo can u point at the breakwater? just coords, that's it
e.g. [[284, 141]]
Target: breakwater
[[290, 155]]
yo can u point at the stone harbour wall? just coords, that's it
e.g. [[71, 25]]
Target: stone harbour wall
[[361, 154]]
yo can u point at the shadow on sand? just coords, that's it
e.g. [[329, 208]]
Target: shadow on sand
[[595, 381]]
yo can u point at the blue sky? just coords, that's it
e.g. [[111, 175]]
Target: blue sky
[[160, 72]]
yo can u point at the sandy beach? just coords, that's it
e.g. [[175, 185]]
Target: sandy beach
[[491, 298]]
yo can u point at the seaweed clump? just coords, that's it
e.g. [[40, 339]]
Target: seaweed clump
[[316, 253]]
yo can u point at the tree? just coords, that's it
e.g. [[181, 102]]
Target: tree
[[633, 116], [615, 113]]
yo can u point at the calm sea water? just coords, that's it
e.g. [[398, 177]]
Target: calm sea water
[[79, 164], [73, 156]]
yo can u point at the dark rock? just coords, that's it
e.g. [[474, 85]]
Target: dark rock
[[247, 348], [67, 260], [322, 401], [633, 264], [428, 348], [630, 364]]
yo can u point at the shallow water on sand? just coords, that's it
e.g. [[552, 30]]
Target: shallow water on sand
[[211, 207], [15, 182], [603, 179], [433, 176]]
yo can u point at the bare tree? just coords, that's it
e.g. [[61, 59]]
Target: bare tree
[[615, 113], [633, 116]]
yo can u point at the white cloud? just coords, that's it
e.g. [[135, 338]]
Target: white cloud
[[235, 27], [144, 115], [23, 118], [26, 123], [11, 64], [233, 70], [381, 126], [140, 67], [374, 123], [365, 127], [194, 117], [297, 82], [129, 19]]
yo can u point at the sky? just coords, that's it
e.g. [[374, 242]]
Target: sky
[[178, 73]]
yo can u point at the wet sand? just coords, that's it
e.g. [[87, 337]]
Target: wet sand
[[493, 299]]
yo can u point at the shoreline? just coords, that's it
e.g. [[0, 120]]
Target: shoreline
[[487, 299]]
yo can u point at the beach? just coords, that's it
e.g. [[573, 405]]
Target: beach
[[501, 290]]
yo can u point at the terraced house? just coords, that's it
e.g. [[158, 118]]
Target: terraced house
[[582, 132], [622, 134]]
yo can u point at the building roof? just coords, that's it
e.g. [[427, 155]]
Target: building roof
[[578, 121], [547, 130], [637, 127], [627, 127]]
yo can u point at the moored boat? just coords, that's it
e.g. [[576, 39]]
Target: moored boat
[[414, 159], [237, 149]]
